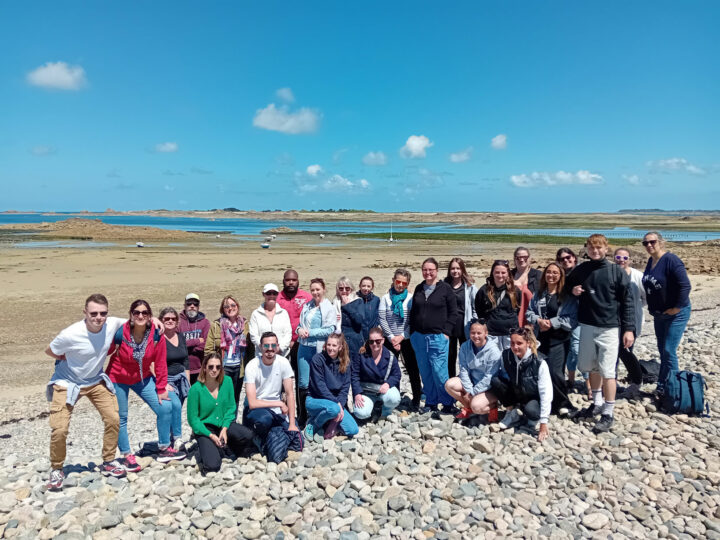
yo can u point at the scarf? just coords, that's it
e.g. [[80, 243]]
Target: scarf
[[396, 302], [228, 335], [138, 349]]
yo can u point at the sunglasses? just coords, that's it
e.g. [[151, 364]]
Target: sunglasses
[[522, 257], [400, 282], [215, 367], [267, 346], [230, 306], [168, 319], [621, 257], [647, 243], [138, 313], [344, 288], [566, 258], [271, 293], [504, 262], [376, 341], [518, 332], [192, 303], [98, 313]]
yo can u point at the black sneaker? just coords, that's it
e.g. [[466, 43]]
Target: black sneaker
[[586, 414], [450, 409], [428, 409], [604, 424]]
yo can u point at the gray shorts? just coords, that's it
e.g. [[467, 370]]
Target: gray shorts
[[598, 351]]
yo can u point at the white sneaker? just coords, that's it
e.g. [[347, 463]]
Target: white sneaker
[[511, 418]]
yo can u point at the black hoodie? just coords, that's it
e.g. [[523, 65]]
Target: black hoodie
[[503, 317]]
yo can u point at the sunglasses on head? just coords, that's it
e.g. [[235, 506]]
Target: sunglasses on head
[[138, 313], [621, 257], [270, 346], [192, 303], [519, 332], [504, 262], [647, 243], [98, 313]]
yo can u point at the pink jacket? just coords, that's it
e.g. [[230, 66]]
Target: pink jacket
[[124, 369]]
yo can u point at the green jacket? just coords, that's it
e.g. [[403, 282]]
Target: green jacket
[[203, 409]]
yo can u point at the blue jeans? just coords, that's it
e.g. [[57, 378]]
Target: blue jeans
[[390, 400], [147, 392], [431, 351], [572, 357], [304, 356], [262, 420], [321, 411], [176, 416], [669, 330]]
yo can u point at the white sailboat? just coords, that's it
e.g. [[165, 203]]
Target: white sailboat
[[391, 236]]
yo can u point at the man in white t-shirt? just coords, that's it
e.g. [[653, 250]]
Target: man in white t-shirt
[[80, 351], [266, 378]]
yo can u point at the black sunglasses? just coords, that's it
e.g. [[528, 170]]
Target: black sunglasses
[[647, 243], [192, 303], [501, 261], [98, 313], [376, 341], [214, 368], [138, 313]]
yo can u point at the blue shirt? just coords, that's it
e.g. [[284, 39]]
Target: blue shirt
[[667, 285], [326, 381]]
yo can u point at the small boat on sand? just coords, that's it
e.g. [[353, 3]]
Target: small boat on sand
[[139, 244], [265, 245]]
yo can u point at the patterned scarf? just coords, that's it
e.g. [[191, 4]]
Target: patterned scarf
[[229, 335], [138, 349]]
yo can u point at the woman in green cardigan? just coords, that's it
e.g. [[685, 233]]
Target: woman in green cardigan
[[211, 415]]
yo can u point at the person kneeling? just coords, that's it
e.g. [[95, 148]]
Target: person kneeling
[[271, 418], [375, 377], [479, 362], [524, 383], [211, 415], [328, 391]]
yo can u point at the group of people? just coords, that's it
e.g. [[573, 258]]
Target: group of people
[[317, 366]]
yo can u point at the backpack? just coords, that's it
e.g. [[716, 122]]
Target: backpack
[[684, 393], [650, 371], [279, 441], [118, 337]]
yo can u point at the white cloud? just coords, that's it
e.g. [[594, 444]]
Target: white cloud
[[375, 158], [499, 142], [339, 154], [43, 150], [58, 75], [536, 179], [281, 119], [462, 155], [416, 147], [633, 179], [166, 147], [676, 164], [285, 94], [314, 170], [336, 184]]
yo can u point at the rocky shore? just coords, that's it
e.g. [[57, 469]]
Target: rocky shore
[[410, 476]]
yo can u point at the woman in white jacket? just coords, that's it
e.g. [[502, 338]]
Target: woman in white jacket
[[271, 317]]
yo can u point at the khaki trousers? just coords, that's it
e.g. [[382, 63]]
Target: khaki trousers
[[106, 404]]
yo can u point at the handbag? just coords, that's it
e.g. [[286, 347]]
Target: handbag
[[374, 388]]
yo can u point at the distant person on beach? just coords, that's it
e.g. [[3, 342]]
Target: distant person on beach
[[228, 339], [351, 313], [639, 300], [465, 290], [479, 362], [523, 385], [567, 259], [498, 302], [139, 363], [328, 391], [211, 414], [553, 313], [267, 377], [607, 319], [667, 286], [271, 317], [375, 375], [318, 320], [178, 367], [433, 316], [394, 318], [194, 327], [79, 352]]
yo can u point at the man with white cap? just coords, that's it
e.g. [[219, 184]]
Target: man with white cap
[[195, 327], [271, 317]]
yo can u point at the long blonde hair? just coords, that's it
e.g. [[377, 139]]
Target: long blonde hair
[[528, 334], [343, 354]]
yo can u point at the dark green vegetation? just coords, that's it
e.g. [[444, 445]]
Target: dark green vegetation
[[504, 238]]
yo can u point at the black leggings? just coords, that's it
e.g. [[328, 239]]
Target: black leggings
[[237, 380], [455, 343], [239, 440], [505, 392], [408, 356], [556, 358]]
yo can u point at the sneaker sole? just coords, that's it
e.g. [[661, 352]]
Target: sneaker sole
[[114, 475], [161, 459], [54, 488]]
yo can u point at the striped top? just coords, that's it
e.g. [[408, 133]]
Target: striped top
[[389, 322]]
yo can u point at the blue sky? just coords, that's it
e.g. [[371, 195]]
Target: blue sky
[[486, 106]]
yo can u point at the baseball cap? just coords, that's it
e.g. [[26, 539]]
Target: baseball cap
[[192, 296], [270, 287]]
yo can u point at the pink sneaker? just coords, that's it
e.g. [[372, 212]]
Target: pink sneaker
[[170, 454], [130, 463]]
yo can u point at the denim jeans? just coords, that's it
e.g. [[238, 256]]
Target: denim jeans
[[431, 351], [669, 330], [304, 356], [390, 400], [321, 411], [262, 420], [176, 417], [147, 392], [572, 357]]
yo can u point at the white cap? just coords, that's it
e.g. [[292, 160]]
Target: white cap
[[270, 287]]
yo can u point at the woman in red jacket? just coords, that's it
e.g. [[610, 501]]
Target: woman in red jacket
[[139, 348]]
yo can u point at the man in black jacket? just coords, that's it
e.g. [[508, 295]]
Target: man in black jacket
[[605, 312]]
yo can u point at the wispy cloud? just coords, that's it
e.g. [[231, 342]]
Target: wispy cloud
[[114, 173], [168, 187], [462, 155], [168, 172], [416, 147], [313, 170], [198, 170], [335, 184], [499, 142], [675, 165], [58, 76], [282, 119], [43, 150], [285, 94], [537, 179], [375, 158], [424, 179], [633, 179], [166, 147], [339, 154]]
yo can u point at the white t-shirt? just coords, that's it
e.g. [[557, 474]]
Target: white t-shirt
[[268, 380], [85, 353]]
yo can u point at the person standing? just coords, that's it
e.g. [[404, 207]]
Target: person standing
[[667, 286], [349, 308], [465, 290], [567, 259], [271, 317], [498, 303], [629, 360], [526, 279], [393, 315], [370, 305], [228, 339], [194, 327], [605, 312], [433, 316], [79, 352], [178, 367]]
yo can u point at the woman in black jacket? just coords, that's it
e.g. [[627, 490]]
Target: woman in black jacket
[[432, 319], [498, 302]]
